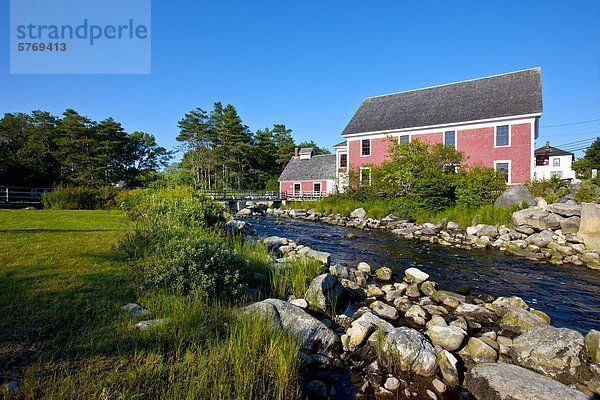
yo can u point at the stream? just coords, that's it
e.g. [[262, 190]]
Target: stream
[[568, 293]]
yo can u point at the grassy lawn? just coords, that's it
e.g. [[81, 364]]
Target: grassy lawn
[[63, 334]]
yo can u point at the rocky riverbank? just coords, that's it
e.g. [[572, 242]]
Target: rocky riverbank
[[554, 233], [401, 336]]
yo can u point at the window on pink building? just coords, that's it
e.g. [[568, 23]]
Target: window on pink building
[[343, 160], [365, 147], [404, 139], [502, 136], [317, 187], [450, 138]]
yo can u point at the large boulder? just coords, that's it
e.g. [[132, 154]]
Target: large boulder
[[411, 351], [415, 275], [592, 342], [313, 334], [542, 239], [324, 293], [498, 381], [515, 195], [448, 367], [320, 256], [558, 353], [570, 225], [383, 310], [531, 217], [589, 228], [358, 213]]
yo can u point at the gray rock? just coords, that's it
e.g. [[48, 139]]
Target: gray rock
[[411, 351], [516, 194], [403, 304], [565, 210], [592, 342], [515, 320], [472, 230], [300, 303], [144, 325], [391, 384], [237, 227], [324, 293], [244, 212], [415, 275], [377, 322], [476, 313], [479, 351], [448, 337], [342, 272], [383, 274], [358, 213], [498, 381], [488, 230], [511, 301], [364, 267], [532, 218], [589, 229], [12, 387], [452, 226], [542, 239], [417, 314], [313, 334], [320, 256], [447, 363], [135, 309], [570, 225], [383, 310], [558, 353]]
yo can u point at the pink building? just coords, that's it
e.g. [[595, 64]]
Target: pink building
[[308, 176], [493, 121]]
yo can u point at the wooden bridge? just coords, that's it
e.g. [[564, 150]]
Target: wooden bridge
[[260, 195], [21, 196]]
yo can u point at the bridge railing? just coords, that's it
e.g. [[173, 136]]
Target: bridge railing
[[24, 195], [232, 194], [304, 195]]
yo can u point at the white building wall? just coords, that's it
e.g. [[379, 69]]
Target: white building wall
[[544, 172]]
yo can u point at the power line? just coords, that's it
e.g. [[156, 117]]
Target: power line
[[572, 123], [578, 141]]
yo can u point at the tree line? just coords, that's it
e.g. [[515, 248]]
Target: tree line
[[43, 150], [219, 151]]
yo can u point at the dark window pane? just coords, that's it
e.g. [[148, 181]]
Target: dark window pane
[[366, 147], [502, 138], [450, 138], [317, 187], [343, 160]]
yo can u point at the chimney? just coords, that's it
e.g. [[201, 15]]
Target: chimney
[[296, 152], [547, 144]]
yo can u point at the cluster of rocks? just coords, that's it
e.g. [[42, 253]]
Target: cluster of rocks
[[252, 208], [556, 233], [407, 338], [285, 250]]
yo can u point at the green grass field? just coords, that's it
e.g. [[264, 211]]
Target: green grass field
[[63, 334]]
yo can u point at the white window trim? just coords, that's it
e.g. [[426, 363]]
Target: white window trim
[[320, 187], [370, 148], [554, 159], [406, 134], [455, 138], [509, 162], [509, 136], [361, 174]]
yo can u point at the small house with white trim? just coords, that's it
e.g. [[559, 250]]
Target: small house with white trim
[[551, 161], [308, 175]]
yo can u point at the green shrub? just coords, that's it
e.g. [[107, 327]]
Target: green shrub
[[193, 265], [478, 186], [586, 193], [465, 217], [77, 198]]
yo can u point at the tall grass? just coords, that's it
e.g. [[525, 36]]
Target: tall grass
[[294, 277], [468, 216]]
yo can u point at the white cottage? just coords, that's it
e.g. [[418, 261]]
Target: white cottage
[[551, 161]]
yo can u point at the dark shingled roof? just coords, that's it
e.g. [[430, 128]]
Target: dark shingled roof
[[551, 151], [515, 93], [317, 167], [340, 144]]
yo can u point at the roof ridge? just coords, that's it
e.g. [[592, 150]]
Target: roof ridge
[[455, 83]]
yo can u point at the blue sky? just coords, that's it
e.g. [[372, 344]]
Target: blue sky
[[309, 64]]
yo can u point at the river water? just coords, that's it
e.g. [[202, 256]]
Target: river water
[[570, 294]]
